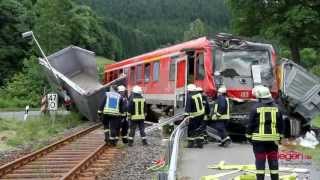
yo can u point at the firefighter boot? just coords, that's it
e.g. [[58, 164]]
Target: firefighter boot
[[190, 144], [205, 139], [130, 142], [199, 143], [124, 140], [144, 142], [106, 138], [113, 142]]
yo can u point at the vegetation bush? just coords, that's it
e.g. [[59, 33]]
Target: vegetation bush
[[37, 129]]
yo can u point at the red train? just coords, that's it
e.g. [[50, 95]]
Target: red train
[[163, 74]]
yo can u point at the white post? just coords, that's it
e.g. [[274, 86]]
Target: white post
[[26, 112]]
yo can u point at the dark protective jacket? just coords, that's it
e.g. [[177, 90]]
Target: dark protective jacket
[[206, 106], [112, 104], [221, 108], [194, 104], [265, 122], [137, 107], [125, 103]]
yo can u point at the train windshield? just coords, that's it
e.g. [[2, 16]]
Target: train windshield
[[239, 63]]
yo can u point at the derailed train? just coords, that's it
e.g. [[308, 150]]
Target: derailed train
[[238, 64], [164, 74]]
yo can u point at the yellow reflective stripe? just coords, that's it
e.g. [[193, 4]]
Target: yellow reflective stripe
[[260, 171], [265, 137], [260, 111], [274, 172], [138, 115], [106, 130], [215, 108], [274, 120], [222, 116], [199, 105], [262, 114]]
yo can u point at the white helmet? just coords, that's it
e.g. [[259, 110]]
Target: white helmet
[[191, 87], [199, 89], [137, 89], [222, 89], [121, 88], [262, 92]]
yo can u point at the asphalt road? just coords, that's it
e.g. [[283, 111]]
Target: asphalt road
[[193, 162], [20, 114]]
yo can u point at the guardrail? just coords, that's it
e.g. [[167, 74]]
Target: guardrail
[[173, 148]]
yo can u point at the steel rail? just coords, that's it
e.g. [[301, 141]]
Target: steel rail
[[84, 164], [7, 168]]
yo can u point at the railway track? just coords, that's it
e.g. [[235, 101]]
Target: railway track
[[79, 156]]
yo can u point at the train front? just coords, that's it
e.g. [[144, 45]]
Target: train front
[[241, 65]]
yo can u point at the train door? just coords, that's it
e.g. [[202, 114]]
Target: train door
[[181, 79]]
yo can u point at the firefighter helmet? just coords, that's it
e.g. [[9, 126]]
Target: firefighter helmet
[[191, 87], [199, 89], [137, 89], [222, 89], [121, 88], [262, 92]]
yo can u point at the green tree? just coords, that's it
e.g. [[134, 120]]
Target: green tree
[[52, 24], [13, 48], [88, 32], [25, 87], [293, 23], [196, 29]]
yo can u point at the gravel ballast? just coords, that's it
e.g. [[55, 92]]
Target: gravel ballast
[[135, 160]]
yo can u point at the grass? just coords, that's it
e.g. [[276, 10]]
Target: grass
[[316, 122], [14, 133], [101, 61]]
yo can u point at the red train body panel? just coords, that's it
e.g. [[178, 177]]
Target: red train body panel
[[163, 73]]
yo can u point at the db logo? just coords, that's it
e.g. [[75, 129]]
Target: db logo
[[244, 94]]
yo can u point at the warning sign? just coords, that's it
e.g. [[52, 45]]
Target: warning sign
[[52, 102]]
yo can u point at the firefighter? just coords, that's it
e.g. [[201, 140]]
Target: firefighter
[[124, 123], [220, 115], [112, 110], [194, 108], [137, 113], [206, 106], [265, 130]]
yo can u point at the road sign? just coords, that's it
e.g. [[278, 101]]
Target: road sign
[[52, 102]]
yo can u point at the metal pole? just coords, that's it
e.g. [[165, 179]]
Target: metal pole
[[30, 33], [45, 57]]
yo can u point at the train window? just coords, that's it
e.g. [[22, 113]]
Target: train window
[[156, 67], [200, 66], [132, 73], [147, 68], [120, 71], [172, 70], [190, 76], [139, 73], [125, 71]]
